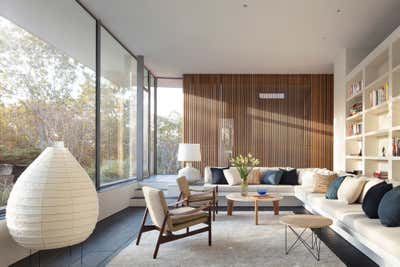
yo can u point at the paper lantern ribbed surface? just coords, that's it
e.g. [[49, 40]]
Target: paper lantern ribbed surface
[[54, 203]]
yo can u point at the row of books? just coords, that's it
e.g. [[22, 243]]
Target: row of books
[[396, 146], [354, 88], [379, 96], [354, 129]]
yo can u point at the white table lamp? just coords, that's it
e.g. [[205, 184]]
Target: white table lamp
[[189, 153]]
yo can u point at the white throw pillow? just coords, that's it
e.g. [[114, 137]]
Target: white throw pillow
[[350, 189], [232, 176], [370, 183], [307, 179]]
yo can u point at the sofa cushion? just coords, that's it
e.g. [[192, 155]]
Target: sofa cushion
[[254, 176], [389, 208], [232, 176], [272, 177], [350, 189], [368, 185], [322, 182], [373, 198], [331, 192], [289, 177], [218, 176]]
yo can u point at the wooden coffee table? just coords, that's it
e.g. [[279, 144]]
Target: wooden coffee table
[[253, 198], [305, 221]]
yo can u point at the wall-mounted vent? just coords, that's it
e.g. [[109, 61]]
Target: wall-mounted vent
[[271, 96]]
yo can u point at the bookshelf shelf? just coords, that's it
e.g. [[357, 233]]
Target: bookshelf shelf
[[379, 109], [355, 117], [354, 157], [359, 94], [354, 137], [377, 158], [381, 80]]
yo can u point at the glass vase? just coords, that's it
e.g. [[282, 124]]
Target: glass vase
[[244, 187]]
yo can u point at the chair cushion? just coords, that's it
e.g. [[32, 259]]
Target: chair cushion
[[272, 177], [333, 188], [389, 208], [254, 176], [350, 189], [179, 219], [373, 198], [289, 177], [322, 182], [218, 176]]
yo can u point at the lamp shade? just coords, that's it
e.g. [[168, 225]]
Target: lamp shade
[[189, 152], [53, 203]]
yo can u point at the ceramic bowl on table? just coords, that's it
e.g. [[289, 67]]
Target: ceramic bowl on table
[[262, 192]]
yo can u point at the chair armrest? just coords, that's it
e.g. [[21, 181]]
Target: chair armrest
[[201, 208], [177, 203]]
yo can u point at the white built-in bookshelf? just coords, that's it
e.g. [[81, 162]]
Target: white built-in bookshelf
[[373, 111]]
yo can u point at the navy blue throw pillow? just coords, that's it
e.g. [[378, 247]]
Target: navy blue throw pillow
[[289, 177], [333, 188], [218, 176], [271, 177], [389, 208], [373, 198]]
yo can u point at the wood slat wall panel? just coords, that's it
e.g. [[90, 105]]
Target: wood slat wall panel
[[296, 131]]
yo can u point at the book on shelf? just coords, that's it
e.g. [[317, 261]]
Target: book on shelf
[[379, 96], [354, 88], [396, 146], [354, 129]]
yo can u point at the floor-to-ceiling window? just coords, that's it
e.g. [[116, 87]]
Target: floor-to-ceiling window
[[117, 112], [48, 93], [169, 125], [47, 90]]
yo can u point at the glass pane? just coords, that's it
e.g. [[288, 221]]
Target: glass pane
[[145, 133], [169, 128], [117, 112], [46, 94], [146, 79]]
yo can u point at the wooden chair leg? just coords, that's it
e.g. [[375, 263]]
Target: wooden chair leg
[[213, 205], [179, 198], [209, 226], [160, 237], [142, 226], [216, 200]]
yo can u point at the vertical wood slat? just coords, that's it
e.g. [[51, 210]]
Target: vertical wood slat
[[296, 131]]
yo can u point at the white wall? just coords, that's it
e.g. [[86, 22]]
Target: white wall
[[339, 112], [111, 201]]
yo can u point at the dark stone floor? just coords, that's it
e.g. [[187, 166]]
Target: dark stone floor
[[116, 232]]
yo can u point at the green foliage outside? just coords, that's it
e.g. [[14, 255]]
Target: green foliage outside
[[169, 135]]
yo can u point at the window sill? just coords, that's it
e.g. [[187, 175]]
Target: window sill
[[113, 185]]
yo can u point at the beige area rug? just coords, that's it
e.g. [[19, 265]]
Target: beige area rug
[[236, 242]]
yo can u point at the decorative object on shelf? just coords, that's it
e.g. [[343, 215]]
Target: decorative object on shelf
[[355, 109], [383, 152], [189, 153], [244, 164], [381, 174], [54, 203], [360, 153]]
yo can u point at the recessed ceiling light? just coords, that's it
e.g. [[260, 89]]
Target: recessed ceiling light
[[245, 5], [338, 10]]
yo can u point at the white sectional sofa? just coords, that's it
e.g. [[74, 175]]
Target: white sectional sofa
[[288, 191], [380, 243]]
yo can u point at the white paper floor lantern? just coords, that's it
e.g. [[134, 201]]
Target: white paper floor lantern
[[54, 203]]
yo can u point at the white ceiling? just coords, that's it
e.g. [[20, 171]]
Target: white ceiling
[[222, 36]]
